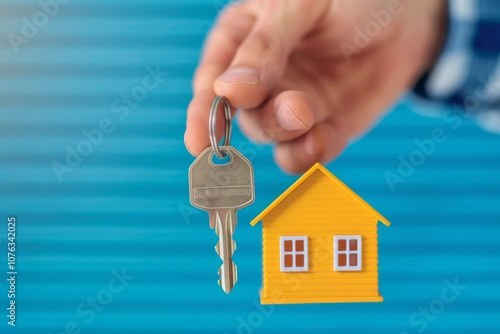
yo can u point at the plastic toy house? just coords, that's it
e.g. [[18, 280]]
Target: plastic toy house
[[319, 243]]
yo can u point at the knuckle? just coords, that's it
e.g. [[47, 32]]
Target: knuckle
[[262, 43]]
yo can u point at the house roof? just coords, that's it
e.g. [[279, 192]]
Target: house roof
[[332, 177]]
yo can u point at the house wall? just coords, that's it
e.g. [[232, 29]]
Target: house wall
[[319, 209]]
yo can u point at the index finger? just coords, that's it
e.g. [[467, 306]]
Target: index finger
[[220, 47]]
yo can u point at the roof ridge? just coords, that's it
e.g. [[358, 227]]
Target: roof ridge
[[318, 166]]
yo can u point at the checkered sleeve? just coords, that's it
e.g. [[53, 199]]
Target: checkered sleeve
[[466, 75]]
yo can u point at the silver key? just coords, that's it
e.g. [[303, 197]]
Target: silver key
[[221, 190]]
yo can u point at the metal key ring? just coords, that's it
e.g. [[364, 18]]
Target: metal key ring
[[212, 124]]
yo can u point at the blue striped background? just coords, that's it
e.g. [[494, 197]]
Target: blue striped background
[[125, 207]]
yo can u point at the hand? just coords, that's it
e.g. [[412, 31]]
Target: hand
[[311, 75]]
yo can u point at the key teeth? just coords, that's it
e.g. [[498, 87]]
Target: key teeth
[[225, 248], [217, 248]]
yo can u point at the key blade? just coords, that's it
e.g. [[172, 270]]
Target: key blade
[[217, 247], [228, 284], [211, 220], [225, 249]]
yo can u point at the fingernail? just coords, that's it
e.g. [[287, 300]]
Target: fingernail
[[240, 75], [287, 118]]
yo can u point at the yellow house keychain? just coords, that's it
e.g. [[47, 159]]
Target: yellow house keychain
[[319, 243]]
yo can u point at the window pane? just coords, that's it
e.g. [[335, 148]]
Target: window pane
[[288, 261], [293, 253], [353, 244], [353, 259], [299, 260], [342, 260], [342, 245]]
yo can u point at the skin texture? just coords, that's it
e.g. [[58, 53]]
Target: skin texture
[[297, 86]]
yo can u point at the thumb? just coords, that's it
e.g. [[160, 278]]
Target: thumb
[[262, 57]]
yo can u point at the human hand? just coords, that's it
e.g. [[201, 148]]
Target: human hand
[[310, 75]]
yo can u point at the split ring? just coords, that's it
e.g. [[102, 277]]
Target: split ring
[[212, 125]]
